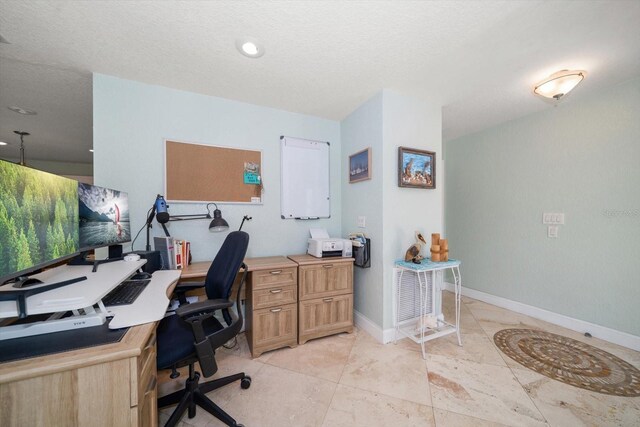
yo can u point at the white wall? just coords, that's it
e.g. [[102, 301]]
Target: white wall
[[132, 119], [408, 122], [362, 129], [579, 158], [59, 168]]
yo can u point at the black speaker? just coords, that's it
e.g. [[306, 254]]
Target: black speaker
[[154, 262], [115, 251]]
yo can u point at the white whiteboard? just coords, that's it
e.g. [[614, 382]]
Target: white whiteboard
[[304, 179]]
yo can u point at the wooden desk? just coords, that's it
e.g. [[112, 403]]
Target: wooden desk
[[197, 270], [108, 385]]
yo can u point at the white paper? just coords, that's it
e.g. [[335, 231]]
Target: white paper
[[319, 233]]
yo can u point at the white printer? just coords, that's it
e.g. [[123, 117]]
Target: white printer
[[323, 246]]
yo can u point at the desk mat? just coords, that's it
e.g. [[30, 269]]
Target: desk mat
[[58, 342]]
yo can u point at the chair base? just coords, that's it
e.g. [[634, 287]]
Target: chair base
[[195, 394]]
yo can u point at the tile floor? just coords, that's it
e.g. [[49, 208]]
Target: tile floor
[[352, 380]]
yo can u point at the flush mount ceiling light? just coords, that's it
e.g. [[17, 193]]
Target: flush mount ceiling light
[[559, 84], [22, 111], [3, 143], [250, 48]]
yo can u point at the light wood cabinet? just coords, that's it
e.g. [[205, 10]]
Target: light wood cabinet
[[271, 304], [109, 385], [325, 305]]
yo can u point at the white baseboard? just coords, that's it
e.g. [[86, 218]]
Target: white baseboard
[[381, 335], [602, 332]]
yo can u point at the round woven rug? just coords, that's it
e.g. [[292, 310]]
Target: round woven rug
[[570, 361]]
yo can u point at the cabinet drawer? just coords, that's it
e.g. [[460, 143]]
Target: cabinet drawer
[[275, 325], [143, 369], [277, 295], [148, 355], [324, 316], [148, 405], [324, 280], [277, 277]]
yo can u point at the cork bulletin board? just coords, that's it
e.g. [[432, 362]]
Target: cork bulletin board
[[207, 173]]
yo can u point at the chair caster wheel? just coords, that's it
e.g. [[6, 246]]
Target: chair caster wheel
[[245, 383]]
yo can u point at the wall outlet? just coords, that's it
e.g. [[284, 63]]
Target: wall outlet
[[553, 218], [552, 231], [362, 221]]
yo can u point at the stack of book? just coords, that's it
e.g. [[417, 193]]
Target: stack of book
[[174, 253]]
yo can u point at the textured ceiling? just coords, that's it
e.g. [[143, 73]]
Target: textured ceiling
[[478, 59]]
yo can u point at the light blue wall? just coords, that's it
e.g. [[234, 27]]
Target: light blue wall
[[131, 121], [578, 158], [362, 129], [384, 123]]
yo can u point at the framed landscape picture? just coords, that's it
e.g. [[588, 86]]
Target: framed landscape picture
[[360, 166], [416, 168]]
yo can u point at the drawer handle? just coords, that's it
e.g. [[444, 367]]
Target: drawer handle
[[152, 385], [151, 342], [327, 299], [276, 272], [328, 266], [275, 291], [276, 310]]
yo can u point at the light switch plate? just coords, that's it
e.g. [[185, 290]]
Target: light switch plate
[[553, 218], [552, 231], [362, 221]]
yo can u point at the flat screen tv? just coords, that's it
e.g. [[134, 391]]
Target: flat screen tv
[[104, 217], [38, 220]]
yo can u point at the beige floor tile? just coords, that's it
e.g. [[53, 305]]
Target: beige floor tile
[[241, 349], [387, 369], [323, 357], [382, 385], [566, 405], [227, 365], [468, 323], [492, 321], [484, 391], [451, 419], [278, 397], [355, 407], [475, 348]]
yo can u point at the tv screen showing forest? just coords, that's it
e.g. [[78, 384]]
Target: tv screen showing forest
[[38, 218]]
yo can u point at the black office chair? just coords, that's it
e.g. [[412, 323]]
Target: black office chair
[[194, 334]]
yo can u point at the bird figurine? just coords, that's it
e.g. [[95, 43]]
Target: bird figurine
[[413, 253]]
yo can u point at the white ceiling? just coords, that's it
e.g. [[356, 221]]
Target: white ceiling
[[477, 59]]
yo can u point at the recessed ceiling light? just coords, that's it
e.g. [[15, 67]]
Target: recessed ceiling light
[[22, 111], [3, 143], [250, 48], [91, 149]]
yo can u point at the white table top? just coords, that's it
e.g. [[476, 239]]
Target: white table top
[[76, 295]]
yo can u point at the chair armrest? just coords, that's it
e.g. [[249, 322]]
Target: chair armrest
[[188, 286], [200, 308]]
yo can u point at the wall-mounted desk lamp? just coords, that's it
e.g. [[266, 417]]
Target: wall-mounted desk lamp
[[160, 212], [217, 223]]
